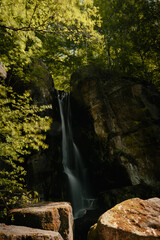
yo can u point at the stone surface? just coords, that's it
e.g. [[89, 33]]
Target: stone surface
[[11, 232], [123, 127], [55, 216], [44, 168], [132, 219], [111, 197]]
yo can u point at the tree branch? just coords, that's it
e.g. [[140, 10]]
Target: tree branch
[[35, 8], [36, 29]]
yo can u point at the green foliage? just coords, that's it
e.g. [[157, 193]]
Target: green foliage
[[121, 35], [131, 31], [54, 31], [21, 131]]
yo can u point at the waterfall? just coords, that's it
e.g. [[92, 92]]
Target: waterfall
[[72, 161]]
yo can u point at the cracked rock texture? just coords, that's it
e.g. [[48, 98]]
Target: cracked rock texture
[[122, 118], [132, 219], [12, 232], [55, 216]]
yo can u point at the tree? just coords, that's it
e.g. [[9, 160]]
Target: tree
[[54, 31], [21, 132], [132, 36]]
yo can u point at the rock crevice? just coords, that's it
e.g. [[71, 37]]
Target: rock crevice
[[54, 216], [125, 115]]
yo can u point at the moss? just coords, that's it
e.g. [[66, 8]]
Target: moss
[[129, 140], [145, 136]]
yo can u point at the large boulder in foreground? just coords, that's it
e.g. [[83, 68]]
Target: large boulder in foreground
[[132, 219], [55, 216], [21, 233]]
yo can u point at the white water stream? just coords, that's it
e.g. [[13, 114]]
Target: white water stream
[[72, 162]]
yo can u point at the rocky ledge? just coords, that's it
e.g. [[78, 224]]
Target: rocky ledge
[[133, 219], [54, 216], [21, 233]]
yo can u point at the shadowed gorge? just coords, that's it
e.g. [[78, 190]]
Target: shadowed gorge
[[73, 165]]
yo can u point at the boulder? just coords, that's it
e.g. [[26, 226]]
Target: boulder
[[132, 219], [55, 216], [122, 118], [11, 232]]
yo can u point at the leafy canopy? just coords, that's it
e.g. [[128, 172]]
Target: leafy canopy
[[55, 31], [21, 131], [131, 31]]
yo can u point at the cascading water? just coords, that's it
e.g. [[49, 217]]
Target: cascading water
[[72, 161]]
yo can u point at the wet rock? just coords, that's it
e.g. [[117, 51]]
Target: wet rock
[[123, 127], [110, 198], [55, 216], [44, 169], [132, 219], [12, 232]]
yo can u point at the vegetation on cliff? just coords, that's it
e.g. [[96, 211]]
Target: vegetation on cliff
[[21, 132]]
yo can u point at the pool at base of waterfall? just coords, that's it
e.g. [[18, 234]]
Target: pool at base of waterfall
[[89, 204]]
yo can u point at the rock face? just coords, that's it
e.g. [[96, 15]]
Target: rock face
[[52, 216], [21, 233], [123, 127], [132, 219], [44, 169], [110, 198]]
